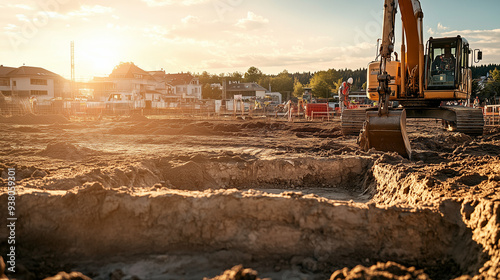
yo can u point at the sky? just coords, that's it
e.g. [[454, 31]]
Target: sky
[[221, 36]]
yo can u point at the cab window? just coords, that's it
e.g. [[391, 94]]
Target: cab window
[[443, 64]]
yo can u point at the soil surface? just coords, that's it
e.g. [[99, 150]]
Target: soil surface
[[158, 198]]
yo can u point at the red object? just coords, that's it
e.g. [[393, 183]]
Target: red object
[[320, 110]]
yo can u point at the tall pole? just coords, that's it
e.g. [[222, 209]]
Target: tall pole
[[72, 69], [224, 87]]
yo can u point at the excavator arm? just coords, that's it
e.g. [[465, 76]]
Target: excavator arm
[[386, 49], [413, 57], [385, 129]]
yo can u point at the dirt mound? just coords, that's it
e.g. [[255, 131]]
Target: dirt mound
[[492, 131], [22, 172], [238, 273], [477, 149], [432, 143], [196, 129], [190, 176], [164, 128], [135, 118], [457, 138], [35, 119], [27, 129], [307, 129], [259, 125], [222, 127], [380, 271], [68, 276], [67, 151]]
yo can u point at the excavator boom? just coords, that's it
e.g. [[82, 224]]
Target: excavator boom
[[385, 130]]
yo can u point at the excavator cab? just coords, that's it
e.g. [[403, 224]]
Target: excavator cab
[[447, 64]]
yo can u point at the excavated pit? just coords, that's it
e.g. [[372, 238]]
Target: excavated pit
[[187, 200], [97, 224]]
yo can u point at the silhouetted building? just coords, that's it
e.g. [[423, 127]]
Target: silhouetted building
[[28, 81], [244, 89], [137, 84]]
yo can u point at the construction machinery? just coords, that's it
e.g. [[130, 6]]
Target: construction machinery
[[421, 82]]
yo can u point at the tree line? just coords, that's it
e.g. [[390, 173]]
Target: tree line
[[323, 84], [483, 70]]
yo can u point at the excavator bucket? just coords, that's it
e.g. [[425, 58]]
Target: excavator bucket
[[386, 133]]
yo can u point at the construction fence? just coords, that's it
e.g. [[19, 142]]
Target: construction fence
[[207, 108], [95, 109], [491, 115]]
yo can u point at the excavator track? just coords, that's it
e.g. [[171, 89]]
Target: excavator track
[[352, 121], [468, 120]]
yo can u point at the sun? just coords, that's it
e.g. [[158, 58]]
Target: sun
[[99, 54]]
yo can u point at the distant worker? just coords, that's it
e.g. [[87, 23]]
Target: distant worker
[[344, 91], [476, 102], [289, 110]]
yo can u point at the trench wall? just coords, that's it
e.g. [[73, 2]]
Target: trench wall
[[95, 222]]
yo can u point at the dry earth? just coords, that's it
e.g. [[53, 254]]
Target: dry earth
[[140, 198]]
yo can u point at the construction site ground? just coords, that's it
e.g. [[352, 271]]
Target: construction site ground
[[145, 198]]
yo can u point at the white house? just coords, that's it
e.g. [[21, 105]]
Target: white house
[[27, 82], [185, 85]]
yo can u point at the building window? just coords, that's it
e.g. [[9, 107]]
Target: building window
[[4, 82], [39, 92], [14, 83], [41, 82], [137, 76], [6, 92]]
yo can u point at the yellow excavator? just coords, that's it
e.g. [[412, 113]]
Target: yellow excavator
[[421, 82]]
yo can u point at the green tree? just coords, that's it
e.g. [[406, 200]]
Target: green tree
[[298, 88], [336, 86], [323, 81], [236, 77], [209, 92], [476, 90], [282, 83], [253, 75], [265, 81], [492, 88], [320, 86], [205, 78]]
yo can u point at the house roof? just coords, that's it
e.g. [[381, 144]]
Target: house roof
[[27, 71], [245, 87], [5, 70], [128, 70], [158, 75], [179, 79]]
